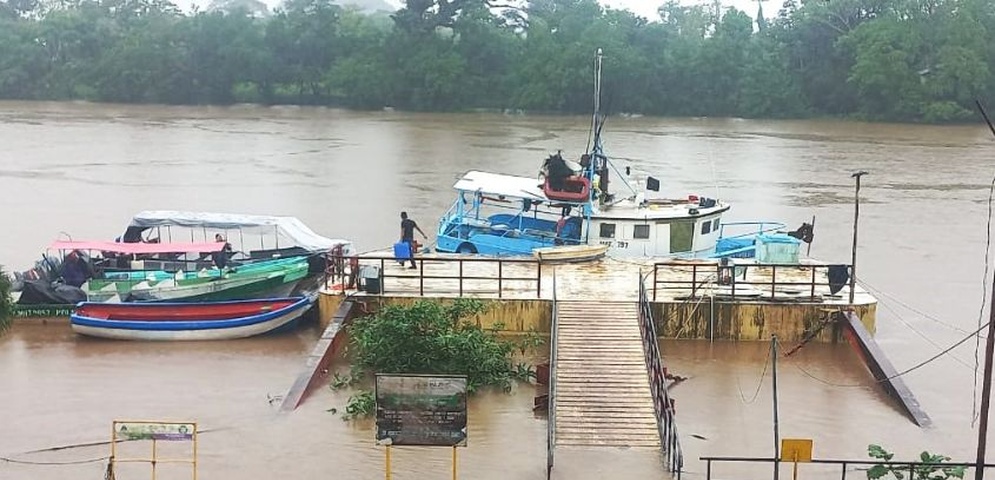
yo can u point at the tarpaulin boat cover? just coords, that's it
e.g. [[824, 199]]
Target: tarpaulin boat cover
[[290, 228]]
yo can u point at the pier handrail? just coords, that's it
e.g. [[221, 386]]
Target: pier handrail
[[705, 274], [663, 405], [336, 274], [551, 397], [911, 466]]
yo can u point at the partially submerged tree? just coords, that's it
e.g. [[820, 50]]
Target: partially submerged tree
[[429, 337]]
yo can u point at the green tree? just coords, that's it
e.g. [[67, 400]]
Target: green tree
[[6, 303]]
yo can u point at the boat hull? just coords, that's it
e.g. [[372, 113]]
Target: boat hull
[[151, 322]]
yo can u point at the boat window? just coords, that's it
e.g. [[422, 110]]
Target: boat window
[[641, 231], [715, 225], [681, 236], [607, 230], [706, 228]]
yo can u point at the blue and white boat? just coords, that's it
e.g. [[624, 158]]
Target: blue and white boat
[[570, 204]]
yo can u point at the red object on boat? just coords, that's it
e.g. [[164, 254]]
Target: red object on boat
[[576, 189], [146, 312], [692, 199]]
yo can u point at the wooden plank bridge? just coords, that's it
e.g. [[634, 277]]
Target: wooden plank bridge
[[602, 389]]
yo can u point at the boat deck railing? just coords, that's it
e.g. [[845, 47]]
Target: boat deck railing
[[692, 280], [439, 275], [749, 229], [663, 405]]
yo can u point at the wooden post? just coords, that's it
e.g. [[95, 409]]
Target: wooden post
[[853, 251], [656, 267], [387, 463], [421, 277], [777, 428], [986, 390], [500, 273], [461, 277], [454, 462]]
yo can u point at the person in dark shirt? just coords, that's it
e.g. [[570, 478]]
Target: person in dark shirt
[[408, 227], [221, 257]]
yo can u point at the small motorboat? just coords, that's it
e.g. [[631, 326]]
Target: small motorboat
[[570, 253], [187, 321]]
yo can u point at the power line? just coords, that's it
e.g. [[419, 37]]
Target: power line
[[763, 374], [910, 369], [919, 312], [924, 336]]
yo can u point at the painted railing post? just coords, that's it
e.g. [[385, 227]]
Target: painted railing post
[[500, 274]]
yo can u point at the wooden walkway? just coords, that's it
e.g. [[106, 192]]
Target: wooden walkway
[[602, 388]]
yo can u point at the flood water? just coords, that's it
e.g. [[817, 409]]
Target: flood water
[[85, 169]]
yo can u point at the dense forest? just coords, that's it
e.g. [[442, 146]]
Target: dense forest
[[910, 60]]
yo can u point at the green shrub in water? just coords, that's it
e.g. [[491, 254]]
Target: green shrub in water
[[6, 303], [431, 338]]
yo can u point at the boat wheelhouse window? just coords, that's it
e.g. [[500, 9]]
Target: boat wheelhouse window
[[607, 230], [641, 231], [715, 224], [706, 228]]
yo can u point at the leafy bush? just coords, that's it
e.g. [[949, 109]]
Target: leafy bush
[[6, 303], [919, 472], [431, 338]]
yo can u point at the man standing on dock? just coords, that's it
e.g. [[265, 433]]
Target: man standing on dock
[[408, 227]]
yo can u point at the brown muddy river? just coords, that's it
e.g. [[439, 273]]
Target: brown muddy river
[[85, 169]]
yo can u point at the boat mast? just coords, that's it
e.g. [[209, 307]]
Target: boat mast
[[597, 103]]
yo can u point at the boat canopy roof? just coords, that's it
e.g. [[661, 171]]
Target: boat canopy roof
[[137, 248], [288, 227], [501, 185]]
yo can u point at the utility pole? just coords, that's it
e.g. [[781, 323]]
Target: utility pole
[[853, 251], [986, 391], [986, 386]]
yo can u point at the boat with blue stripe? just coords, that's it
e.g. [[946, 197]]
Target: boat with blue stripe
[[188, 321]]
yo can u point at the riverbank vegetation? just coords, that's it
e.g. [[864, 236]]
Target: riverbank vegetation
[[910, 60], [6, 303], [429, 337]]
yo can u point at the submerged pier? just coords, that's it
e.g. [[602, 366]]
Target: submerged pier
[[607, 384]]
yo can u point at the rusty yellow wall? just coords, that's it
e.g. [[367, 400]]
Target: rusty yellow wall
[[750, 321], [517, 316], [328, 304]]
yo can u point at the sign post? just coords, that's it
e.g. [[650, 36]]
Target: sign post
[[421, 410], [126, 431], [797, 450]]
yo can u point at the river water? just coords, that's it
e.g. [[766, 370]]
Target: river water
[[85, 169]]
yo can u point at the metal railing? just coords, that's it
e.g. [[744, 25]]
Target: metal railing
[[663, 406], [698, 277], [434, 283], [551, 398], [905, 467]]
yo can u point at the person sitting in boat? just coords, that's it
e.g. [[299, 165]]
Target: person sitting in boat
[[75, 270], [220, 257]]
